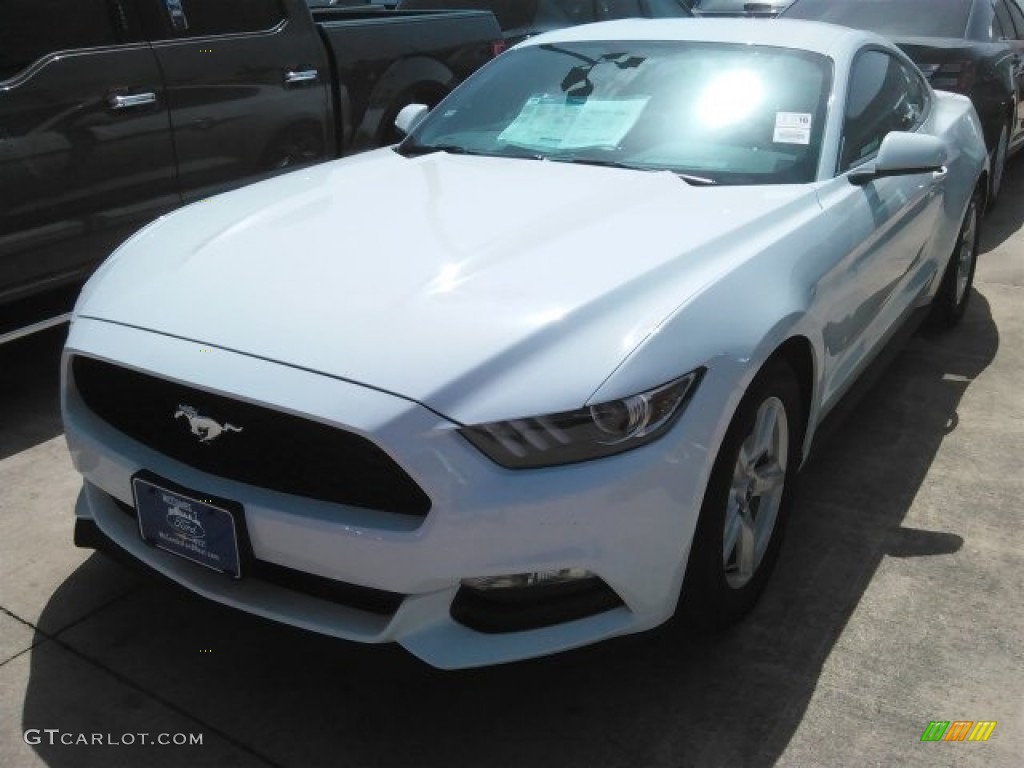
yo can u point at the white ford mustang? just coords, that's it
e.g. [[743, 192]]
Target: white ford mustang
[[571, 366]]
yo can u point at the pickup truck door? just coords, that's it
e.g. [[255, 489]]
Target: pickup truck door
[[85, 146], [246, 86]]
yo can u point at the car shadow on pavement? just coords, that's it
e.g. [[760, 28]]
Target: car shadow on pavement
[[264, 694], [1004, 219], [30, 391]]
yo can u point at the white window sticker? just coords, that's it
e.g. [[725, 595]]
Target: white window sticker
[[548, 122], [792, 128]]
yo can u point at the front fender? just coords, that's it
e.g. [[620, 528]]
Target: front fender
[[734, 326]]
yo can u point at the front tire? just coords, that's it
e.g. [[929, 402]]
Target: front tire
[[955, 291], [747, 501]]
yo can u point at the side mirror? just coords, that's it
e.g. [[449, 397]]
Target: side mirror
[[903, 154], [409, 117]]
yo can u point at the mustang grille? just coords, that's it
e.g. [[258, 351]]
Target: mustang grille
[[272, 450]]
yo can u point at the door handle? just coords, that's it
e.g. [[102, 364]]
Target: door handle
[[118, 101], [940, 174], [295, 77]]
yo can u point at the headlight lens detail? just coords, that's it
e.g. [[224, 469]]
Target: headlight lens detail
[[587, 433]]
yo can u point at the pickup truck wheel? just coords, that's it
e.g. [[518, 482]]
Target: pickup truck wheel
[[747, 500]]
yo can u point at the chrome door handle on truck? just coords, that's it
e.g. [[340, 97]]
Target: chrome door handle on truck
[[300, 76], [118, 101]]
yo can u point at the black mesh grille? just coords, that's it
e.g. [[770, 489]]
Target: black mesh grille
[[273, 450]]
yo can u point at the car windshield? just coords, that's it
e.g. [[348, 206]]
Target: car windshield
[[711, 112], [893, 18]]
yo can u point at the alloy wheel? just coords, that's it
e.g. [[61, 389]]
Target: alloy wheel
[[755, 494], [999, 162], [967, 252]]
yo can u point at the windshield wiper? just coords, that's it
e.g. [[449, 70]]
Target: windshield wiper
[[456, 149], [604, 163], [518, 151], [525, 154], [426, 149], [697, 181]]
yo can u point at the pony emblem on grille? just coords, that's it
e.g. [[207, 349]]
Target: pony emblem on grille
[[205, 428]]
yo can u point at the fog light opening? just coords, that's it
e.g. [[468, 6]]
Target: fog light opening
[[523, 601], [533, 579]]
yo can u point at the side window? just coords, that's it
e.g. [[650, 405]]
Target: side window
[[618, 9], [884, 95], [1018, 18], [28, 31], [667, 9], [194, 18], [562, 12], [1005, 21], [511, 14], [915, 104], [997, 32]]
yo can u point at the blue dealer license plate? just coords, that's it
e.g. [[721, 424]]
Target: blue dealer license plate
[[187, 526]]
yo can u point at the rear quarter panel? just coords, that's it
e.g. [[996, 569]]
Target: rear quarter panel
[[956, 121]]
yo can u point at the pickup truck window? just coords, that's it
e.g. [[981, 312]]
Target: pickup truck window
[[563, 12], [618, 9], [195, 18], [668, 9], [28, 32]]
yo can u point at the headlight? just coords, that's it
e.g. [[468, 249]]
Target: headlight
[[587, 433]]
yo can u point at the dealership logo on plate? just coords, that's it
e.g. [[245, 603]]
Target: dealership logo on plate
[[184, 520], [203, 427]]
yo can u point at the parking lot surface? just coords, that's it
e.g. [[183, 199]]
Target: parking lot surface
[[898, 600]]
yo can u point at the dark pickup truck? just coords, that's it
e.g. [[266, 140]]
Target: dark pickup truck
[[113, 112]]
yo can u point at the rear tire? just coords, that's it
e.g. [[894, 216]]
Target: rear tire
[[950, 302], [997, 163], [747, 501]]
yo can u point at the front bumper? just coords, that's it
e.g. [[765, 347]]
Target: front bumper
[[628, 519]]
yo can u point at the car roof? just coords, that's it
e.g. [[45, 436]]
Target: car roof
[[827, 39]]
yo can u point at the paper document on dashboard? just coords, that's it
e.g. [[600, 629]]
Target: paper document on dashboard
[[551, 122]]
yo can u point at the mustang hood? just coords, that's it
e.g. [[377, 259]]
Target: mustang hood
[[449, 280]]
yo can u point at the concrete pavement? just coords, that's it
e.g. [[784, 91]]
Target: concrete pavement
[[899, 599]]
